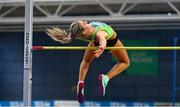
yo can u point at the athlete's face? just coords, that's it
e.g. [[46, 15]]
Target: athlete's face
[[87, 28], [83, 24]]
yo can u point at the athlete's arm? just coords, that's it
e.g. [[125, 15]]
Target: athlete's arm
[[101, 38]]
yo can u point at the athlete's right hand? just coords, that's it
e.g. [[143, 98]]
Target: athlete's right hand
[[98, 52]]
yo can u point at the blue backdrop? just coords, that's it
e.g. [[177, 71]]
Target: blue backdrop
[[56, 72]]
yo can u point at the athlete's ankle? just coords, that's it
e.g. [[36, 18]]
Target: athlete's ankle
[[107, 78], [80, 85], [80, 82]]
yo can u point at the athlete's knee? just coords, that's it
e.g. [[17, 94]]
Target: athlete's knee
[[125, 61]]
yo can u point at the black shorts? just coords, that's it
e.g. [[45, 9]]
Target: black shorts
[[110, 43]]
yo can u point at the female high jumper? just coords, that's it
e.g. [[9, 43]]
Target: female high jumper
[[99, 35]]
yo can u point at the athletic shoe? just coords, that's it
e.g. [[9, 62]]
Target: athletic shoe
[[103, 81], [80, 92]]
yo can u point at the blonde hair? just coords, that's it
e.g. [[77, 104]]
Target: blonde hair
[[59, 35], [65, 36], [76, 29]]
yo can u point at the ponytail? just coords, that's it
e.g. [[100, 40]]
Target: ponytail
[[59, 35], [65, 36]]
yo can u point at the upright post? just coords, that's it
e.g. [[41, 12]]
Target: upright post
[[27, 78], [174, 74]]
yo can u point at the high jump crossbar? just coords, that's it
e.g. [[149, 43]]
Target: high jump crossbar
[[107, 48]]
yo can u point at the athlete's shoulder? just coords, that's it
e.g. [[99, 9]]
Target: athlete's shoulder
[[97, 23]]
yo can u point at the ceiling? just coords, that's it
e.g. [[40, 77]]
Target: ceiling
[[122, 14]]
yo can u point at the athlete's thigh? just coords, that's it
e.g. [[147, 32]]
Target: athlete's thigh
[[120, 54], [89, 55]]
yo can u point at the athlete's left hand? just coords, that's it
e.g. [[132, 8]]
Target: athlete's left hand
[[98, 52]]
